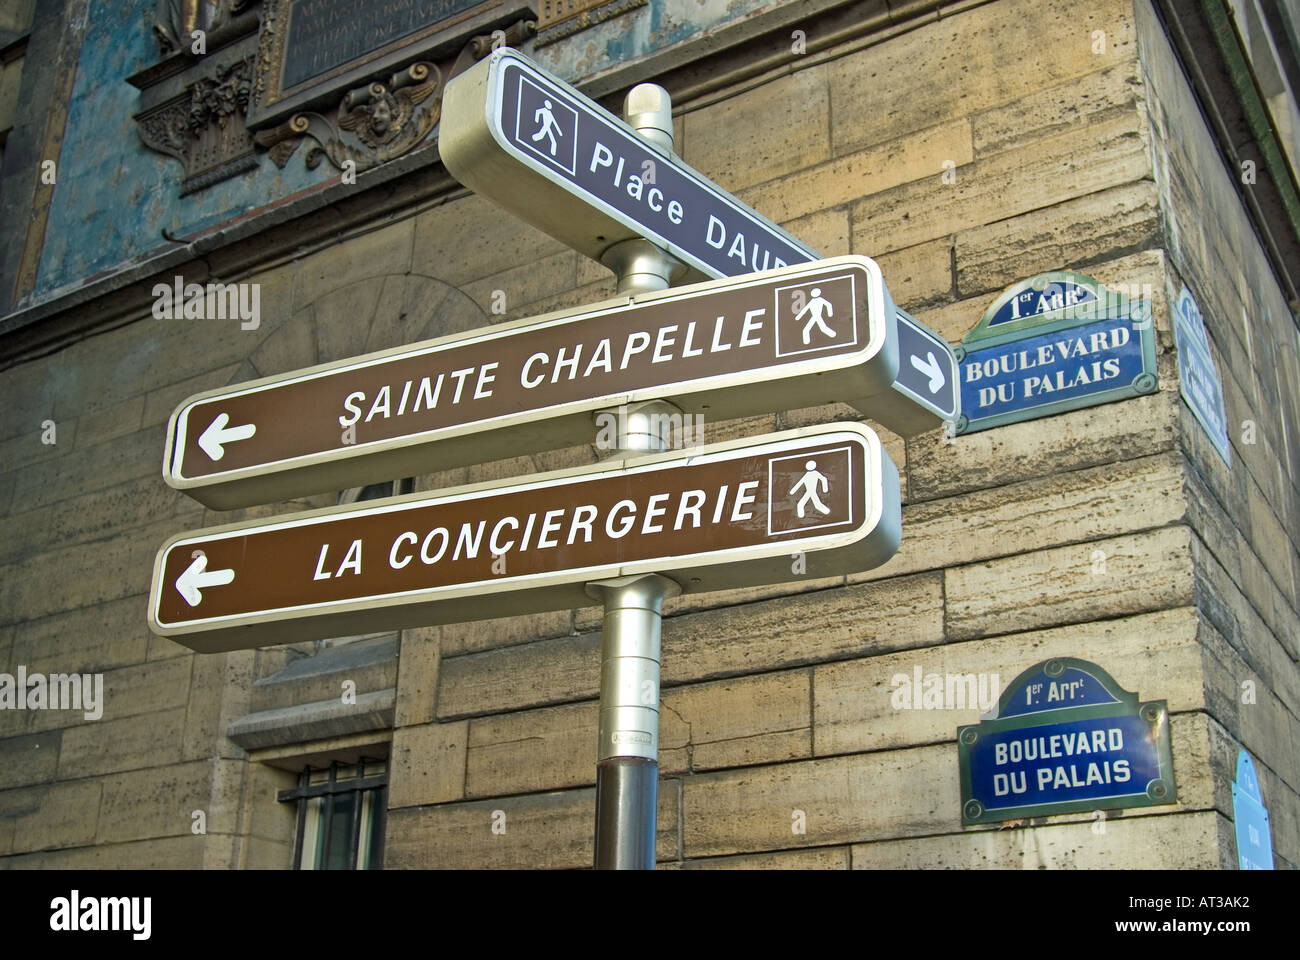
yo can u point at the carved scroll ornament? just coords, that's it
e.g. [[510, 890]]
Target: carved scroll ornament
[[371, 125]]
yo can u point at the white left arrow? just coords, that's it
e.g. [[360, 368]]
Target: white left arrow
[[197, 577], [930, 367], [213, 439]]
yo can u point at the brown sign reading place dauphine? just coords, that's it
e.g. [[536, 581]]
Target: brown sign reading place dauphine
[[767, 341], [811, 502]]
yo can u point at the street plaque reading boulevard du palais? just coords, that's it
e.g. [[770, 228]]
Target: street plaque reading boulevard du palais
[[733, 515], [1055, 342], [1066, 738], [809, 334]]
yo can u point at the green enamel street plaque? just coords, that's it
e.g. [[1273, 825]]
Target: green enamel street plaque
[[1065, 738], [1056, 342]]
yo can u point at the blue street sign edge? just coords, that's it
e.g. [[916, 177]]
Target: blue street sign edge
[[954, 368], [1191, 351]]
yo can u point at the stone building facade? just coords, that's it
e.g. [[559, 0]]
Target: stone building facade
[[965, 147]]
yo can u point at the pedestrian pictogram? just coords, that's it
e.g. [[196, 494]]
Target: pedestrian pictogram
[[549, 128], [818, 308], [812, 483]]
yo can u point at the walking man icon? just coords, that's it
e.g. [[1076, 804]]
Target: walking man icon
[[549, 128], [810, 483], [815, 308]]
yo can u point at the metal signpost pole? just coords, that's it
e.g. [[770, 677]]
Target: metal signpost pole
[[627, 761], [627, 766]]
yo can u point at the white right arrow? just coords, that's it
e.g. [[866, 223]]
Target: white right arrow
[[931, 369], [216, 435], [196, 578]]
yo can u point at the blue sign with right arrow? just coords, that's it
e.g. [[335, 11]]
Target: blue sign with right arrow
[[927, 370]]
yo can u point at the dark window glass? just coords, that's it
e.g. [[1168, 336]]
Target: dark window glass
[[341, 816]]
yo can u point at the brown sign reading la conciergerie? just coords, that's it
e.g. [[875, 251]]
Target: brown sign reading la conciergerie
[[803, 335], [733, 515]]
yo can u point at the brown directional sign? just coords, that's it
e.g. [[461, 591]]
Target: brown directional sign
[[811, 502], [764, 342]]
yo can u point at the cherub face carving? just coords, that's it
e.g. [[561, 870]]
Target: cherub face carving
[[380, 119]]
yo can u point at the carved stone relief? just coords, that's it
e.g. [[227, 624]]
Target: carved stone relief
[[203, 127], [214, 110], [371, 124]]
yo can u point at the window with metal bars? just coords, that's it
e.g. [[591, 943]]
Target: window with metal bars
[[341, 815]]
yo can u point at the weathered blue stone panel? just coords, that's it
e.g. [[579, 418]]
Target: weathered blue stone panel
[[114, 196]]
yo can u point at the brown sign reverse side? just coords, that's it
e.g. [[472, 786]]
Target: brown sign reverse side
[[802, 335], [820, 500]]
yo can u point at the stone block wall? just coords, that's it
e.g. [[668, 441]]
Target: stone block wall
[[1245, 517]]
